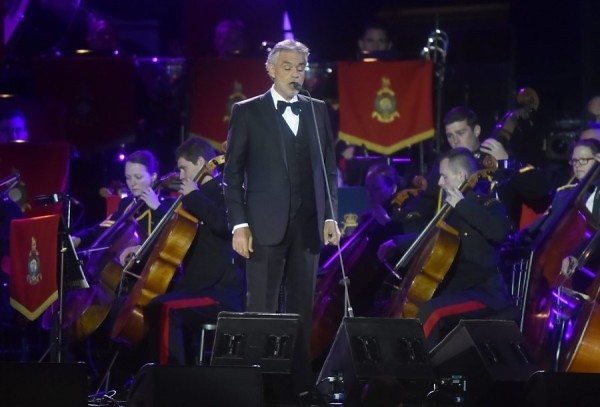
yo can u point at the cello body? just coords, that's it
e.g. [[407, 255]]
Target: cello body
[[363, 270], [170, 249], [568, 233], [86, 308], [170, 241], [427, 271]]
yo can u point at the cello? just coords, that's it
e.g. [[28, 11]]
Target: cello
[[558, 239], [575, 313], [365, 280], [171, 240], [430, 257], [87, 308]]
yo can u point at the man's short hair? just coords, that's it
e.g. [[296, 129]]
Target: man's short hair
[[193, 148], [591, 143], [460, 113], [461, 158], [374, 25], [286, 45]]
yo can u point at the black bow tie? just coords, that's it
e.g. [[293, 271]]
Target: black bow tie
[[296, 107]]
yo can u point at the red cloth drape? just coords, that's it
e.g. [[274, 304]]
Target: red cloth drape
[[385, 106], [33, 246], [216, 85]]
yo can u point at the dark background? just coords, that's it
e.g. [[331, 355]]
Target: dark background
[[495, 48]]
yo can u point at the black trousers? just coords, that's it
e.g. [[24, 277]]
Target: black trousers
[[281, 278], [174, 320], [442, 313]]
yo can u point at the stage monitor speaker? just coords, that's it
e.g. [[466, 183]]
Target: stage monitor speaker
[[43, 384], [369, 348], [551, 389], [490, 354], [272, 341], [191, 386]]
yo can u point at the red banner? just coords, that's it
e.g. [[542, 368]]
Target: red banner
[[216, 85], [385, 106], [33, 255]]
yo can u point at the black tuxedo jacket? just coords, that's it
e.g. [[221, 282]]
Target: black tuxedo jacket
[[257, 187]]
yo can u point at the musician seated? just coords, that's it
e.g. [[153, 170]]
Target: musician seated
[[141, 172], [473, 287], [584, 154], [210, 281]]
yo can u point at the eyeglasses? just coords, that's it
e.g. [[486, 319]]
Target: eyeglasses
[[580, 161]]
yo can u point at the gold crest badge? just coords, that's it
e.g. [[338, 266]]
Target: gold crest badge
[[34, 274], [349, 224], [385, 103], [236, 96]]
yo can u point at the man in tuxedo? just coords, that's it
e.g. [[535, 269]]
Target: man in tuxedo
[[280, 175]]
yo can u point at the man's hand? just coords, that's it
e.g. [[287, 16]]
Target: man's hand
[[242, 241], [331, 233], [453, 195], [127, 254], [187, 186], [494, 148]]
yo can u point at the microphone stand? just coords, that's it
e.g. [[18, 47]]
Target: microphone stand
[[56, 344], [348, 310]]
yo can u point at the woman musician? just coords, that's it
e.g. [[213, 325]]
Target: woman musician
[[141, 172], [584, 154]]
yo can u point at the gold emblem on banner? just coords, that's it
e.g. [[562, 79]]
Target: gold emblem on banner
[[350, 224], [236, 96], [34, 274], [385, 103]]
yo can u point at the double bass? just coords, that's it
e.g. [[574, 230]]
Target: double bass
[[430, 257], [575, 313], [566, 232], [170, 242]]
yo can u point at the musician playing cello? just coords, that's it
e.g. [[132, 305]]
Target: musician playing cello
[[517, 184], [473, 288], [141, 171], [210, 281]]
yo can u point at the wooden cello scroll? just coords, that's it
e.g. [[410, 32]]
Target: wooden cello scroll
[[430, 258], [170, 241]]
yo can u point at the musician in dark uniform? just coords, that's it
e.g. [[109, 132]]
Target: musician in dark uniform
[[210, 281], [516, 184], [585, 153], [141, 172], [473, 288]]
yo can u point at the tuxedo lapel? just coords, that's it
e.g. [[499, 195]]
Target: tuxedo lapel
[[269, 111]]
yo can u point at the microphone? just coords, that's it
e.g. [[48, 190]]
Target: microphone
[[297, 86], [44, 200]]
